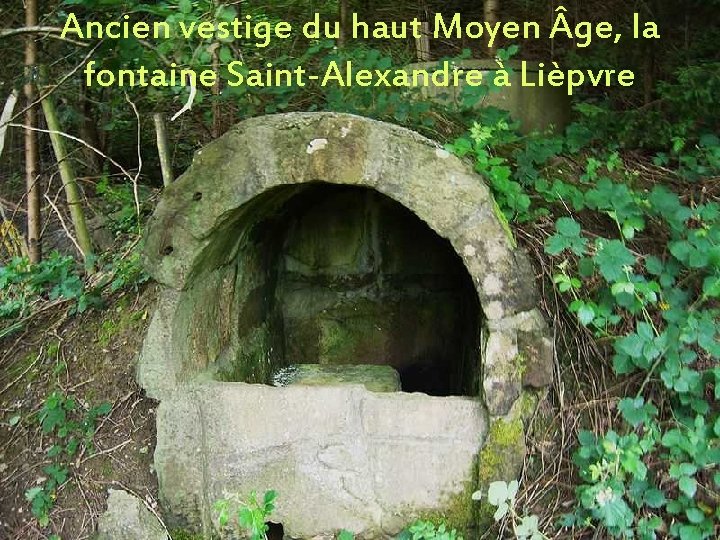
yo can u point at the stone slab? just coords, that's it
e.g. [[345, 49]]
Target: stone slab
[[339, 457]]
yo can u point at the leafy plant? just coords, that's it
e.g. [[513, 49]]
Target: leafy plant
[[72, 429], [502, 495], [23, 284], [662, 316], [249, 515], [427, 530]]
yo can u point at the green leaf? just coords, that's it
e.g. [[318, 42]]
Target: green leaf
[[185, 6], [501, 511], [691, 532], [695, 515], [31, 493], [586, 315], [636, 411], [567, 236], [497, 493], [612, 258], [615, 514], [654, 498], [688, 486]]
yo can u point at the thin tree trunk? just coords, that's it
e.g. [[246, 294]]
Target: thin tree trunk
[[492, 7], [88, 133], [344, 24], [422, 44], [67, 174], [31, 144], [216, 108], [163, 149]]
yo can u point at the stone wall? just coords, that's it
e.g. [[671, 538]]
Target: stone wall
[[364, 281]]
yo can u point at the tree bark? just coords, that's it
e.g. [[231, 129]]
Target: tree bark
[[163, 149], [492, 7], [31, 145], [67, 174], [422, 44], [344, 23], [89, 133]]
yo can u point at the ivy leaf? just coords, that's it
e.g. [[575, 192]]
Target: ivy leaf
[[567, 236], [688, 486], [654, 498], [612, 258], [616, 514], [636, 411]]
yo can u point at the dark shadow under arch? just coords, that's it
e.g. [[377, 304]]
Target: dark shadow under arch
[[335, 274]]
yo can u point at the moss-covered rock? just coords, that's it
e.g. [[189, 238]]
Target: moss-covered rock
[[501, 458]]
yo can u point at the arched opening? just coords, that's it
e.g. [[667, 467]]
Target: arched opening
[[337, 276]]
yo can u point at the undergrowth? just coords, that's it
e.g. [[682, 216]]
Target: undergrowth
[[639, 265]]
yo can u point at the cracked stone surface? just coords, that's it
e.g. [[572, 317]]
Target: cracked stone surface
[[339, 457]]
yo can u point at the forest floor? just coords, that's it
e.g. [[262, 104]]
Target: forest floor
[[90, 357]]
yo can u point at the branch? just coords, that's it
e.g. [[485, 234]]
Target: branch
[[8, 32], [56, 86], [50, 31], [80, 141]]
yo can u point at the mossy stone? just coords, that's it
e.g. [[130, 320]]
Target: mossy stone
[[372, 377]]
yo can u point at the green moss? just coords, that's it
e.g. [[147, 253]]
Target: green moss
[[520, 364], [251, 363], [528, 402], [118, 321], [460, 512], [505, 224], [500, 459], [353, 333], [22, 368]]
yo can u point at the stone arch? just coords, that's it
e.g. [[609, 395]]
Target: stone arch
[[204, 220], [190, 230]]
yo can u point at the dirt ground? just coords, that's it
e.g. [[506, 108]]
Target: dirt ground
[[90, 357]]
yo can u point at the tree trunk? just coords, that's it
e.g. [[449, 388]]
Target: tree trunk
[[89, 133], [163, 149], [31, 144], [492, 7], [344, 23], [67, 174], [422, 44]]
